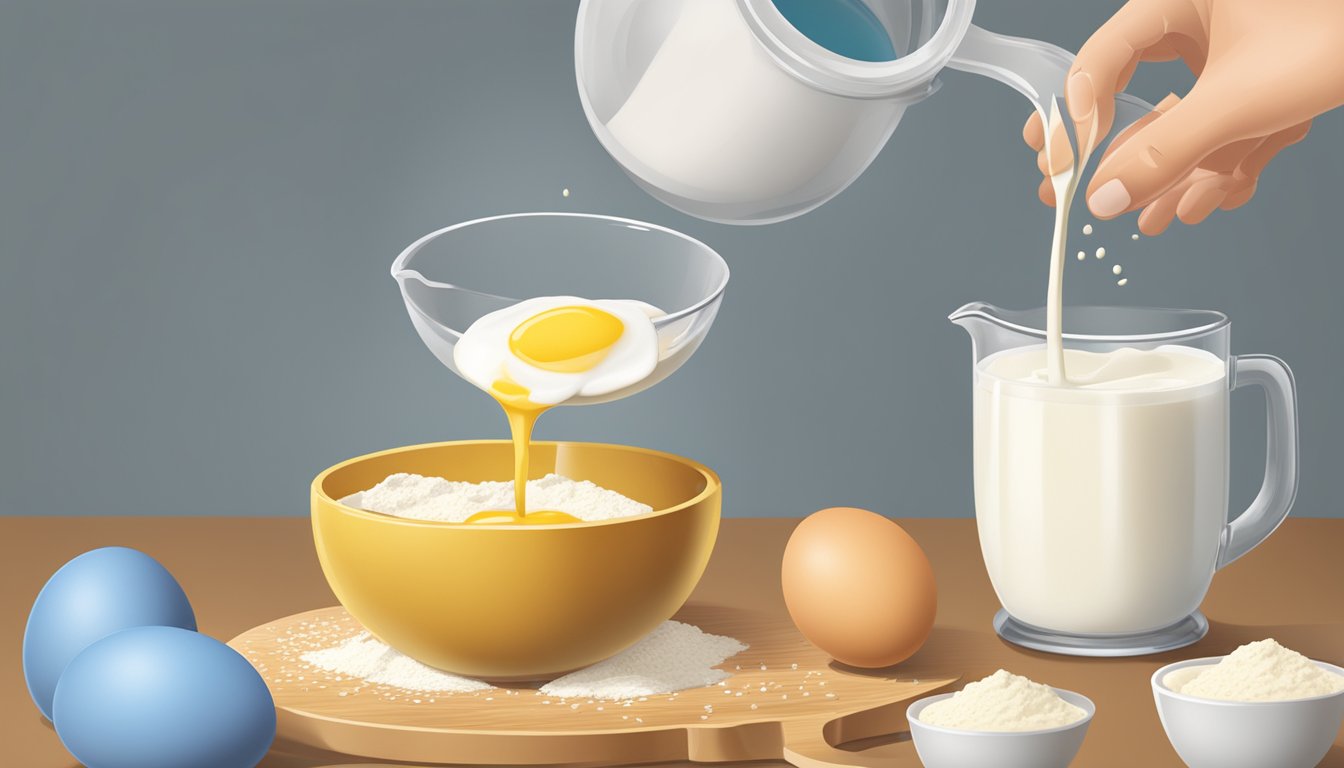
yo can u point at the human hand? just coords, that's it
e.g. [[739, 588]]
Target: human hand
[[1264, 69]]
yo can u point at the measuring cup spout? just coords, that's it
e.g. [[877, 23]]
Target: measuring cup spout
[[979, 320], [993, 329]]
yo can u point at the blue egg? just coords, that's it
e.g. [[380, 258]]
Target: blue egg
[[98, 593], [162, 697]]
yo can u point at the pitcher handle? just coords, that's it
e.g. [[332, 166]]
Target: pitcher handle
[[1276, 495], [1034, 68]]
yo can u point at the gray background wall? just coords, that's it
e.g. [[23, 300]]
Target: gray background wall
[[199, 203]]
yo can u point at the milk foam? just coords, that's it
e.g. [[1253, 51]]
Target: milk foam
[[1127, 369]]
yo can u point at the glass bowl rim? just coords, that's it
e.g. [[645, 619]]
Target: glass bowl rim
[[400, 271]]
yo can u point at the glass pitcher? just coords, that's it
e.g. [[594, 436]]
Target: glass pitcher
[[1101, 504], [725, 110]]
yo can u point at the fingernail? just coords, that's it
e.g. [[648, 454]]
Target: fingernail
[[1082, 98], [1110, 200]]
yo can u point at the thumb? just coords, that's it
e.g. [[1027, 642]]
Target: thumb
[[1154, 159]]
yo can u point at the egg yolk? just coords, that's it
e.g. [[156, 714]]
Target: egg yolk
[[566, 339], [562, 340]]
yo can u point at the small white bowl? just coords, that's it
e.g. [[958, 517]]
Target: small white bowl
[[940, 747], [1209, 733]]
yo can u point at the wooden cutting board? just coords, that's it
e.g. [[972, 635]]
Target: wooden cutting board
[[785, 699]]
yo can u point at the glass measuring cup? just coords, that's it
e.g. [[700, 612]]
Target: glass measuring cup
[[451, 277], [724, 110], [1103, 515]]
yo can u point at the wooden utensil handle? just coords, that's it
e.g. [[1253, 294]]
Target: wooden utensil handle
[[805, 746]]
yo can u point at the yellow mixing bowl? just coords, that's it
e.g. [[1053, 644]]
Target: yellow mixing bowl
[[517, 602]]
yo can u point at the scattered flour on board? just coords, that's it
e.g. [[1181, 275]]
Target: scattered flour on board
[[673, 657], [1002, 702], [434, 498], [1262, 671], [364, 656]]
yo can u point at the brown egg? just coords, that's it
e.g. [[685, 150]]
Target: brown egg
[[859, 587]]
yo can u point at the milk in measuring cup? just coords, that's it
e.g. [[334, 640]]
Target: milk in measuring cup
[[1100, 503]]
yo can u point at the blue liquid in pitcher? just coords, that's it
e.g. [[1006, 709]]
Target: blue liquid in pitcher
[[846, 27]]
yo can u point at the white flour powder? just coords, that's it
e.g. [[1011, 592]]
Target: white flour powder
[[1002, 702], [1262, 671], [434, 498], [364, 656], [673, 657]]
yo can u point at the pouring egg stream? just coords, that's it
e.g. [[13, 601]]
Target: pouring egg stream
[[539, 353]]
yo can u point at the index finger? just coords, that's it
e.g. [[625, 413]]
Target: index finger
[[1128, 132], [1108, 59]]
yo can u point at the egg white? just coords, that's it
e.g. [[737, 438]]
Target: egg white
[[482, 355]]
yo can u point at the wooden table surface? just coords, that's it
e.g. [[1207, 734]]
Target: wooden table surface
[[241, 572]]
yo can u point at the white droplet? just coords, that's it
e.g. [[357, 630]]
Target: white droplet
[[1122, 281], [1134, 236], [1082, 255], [1117, 269], [1087, 229], [1101, 253], [565, 192]]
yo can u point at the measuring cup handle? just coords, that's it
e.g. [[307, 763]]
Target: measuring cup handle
[[1276, 495]]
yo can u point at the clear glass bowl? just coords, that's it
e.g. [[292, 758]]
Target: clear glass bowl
[[451, 277]]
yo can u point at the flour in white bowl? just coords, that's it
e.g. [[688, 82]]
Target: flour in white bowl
[[1002, 702], [1261, 671], [673, 657], [434, 498]]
